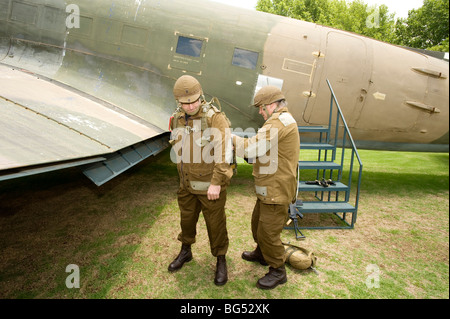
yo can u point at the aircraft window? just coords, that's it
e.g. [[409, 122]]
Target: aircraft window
[[53, 19], [85, 26], [189, 46], [133, 35], [25, 13], [4, 10], [245, 58]]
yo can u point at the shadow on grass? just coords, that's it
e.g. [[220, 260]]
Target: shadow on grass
[[52, 220]]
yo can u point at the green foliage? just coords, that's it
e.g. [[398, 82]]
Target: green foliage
[[372, 21], [425, 28], [442, 47]]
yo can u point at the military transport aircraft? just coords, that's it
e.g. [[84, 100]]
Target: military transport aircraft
[[89, 83]]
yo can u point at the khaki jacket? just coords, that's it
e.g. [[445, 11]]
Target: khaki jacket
[[276, 150], [203, 149]]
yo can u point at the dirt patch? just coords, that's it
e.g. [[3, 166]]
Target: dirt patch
[[124, 235]]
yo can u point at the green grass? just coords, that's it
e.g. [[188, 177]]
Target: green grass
[[123, 236]]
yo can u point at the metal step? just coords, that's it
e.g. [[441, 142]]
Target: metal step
[[318, 165], [316, 146], [326, 207], [339, 187], [313, 129], [116, 163]]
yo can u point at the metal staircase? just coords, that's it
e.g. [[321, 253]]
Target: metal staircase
[[328, 160]]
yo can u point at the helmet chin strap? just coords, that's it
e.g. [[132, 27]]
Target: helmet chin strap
[[266, 111]]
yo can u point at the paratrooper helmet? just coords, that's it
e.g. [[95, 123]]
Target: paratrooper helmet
[[268, 95], [187, 89]]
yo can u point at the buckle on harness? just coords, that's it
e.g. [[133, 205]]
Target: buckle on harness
[[188, 130]]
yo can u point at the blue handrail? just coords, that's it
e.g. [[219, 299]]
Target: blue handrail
[[346, 134]]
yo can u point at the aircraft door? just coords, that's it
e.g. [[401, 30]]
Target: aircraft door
[[347, 67]]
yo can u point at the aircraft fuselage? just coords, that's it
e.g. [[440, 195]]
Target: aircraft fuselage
[[129, 53]]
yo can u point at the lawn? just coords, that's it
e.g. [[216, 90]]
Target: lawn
[[122, 237]]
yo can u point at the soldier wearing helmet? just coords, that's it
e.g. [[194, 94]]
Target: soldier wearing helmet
[[276, 150], [201, 142]]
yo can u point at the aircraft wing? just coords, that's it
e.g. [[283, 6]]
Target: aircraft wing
[[47, 126]]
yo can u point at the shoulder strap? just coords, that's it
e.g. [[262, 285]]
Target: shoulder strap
[[209, 109], [286, 118], [173, 122]]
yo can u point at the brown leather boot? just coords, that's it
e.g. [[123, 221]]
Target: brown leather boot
[[221, 271], [184, 256], [275, 277], [254, 256]]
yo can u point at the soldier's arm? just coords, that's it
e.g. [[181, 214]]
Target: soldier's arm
[[222, 147], [256, 146]]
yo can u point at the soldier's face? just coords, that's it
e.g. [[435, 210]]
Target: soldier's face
[[267, 110], [262, 112], [191, 108]]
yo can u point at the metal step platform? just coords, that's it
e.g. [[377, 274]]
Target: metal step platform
[[328, 163], [317, 146], [319, 165], [338, 187], [326, 207]]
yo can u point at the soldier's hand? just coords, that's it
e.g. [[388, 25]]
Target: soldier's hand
[[214, 192]]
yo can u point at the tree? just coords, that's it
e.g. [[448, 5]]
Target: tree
[[356, 16], [426, 27]]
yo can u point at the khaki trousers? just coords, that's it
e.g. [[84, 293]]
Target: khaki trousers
[[267, 224], [214, 213]]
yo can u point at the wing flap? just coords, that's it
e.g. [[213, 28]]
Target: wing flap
[[43, 122], [27, 138]]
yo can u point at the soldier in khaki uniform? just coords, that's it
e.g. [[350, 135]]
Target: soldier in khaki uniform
[[202, 144], [276, 148]]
